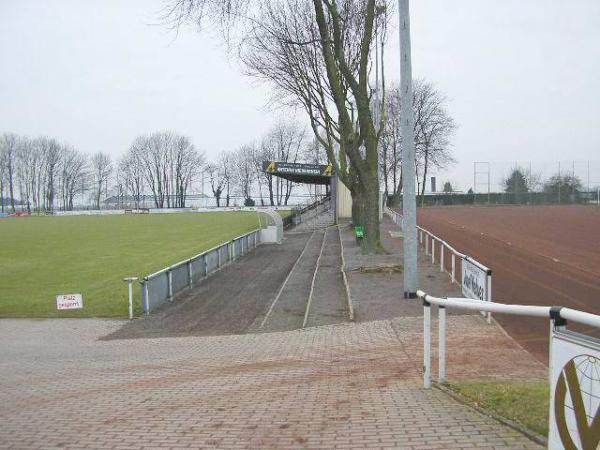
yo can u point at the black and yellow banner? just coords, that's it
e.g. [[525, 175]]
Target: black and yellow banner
[[281, 168]]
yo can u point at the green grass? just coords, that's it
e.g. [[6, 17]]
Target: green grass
[[525, 402], [41, 257]]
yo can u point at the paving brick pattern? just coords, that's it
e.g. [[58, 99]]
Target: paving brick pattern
[[336, 386], [380, 295]]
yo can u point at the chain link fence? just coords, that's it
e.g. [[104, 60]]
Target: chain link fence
[[524, 183]]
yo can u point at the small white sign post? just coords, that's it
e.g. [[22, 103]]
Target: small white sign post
[[69, 301], [574, 391], [129, 281]]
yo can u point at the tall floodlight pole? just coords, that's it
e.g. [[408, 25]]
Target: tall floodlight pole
[[409, 200]]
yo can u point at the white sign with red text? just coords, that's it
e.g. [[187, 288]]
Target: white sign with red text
[[69, 301]]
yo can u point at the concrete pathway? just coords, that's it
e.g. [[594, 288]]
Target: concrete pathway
[[381, 295], [336, 386]]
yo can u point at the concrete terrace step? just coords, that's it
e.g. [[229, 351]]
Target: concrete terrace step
[[322, 220]]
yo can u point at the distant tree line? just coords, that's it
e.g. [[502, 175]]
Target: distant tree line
[[42, 174], [521, 182]]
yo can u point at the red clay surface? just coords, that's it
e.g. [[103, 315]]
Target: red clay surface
[[541, 255]]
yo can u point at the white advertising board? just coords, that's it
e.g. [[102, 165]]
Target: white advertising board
[[474, 281], [574, 392], [69, 301]]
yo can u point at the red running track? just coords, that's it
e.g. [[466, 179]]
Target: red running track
[[539, 255]]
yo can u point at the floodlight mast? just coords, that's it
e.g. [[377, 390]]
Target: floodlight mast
[[409, 200]]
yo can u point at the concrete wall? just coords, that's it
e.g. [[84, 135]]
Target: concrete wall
[[344, 201]]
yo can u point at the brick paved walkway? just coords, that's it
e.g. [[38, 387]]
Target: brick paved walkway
[[380, 295], [337, 386]]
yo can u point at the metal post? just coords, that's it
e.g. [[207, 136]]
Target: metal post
[[129, 281], [489, 299], [441, 344], [588, 176], [409, 199], [432, 250], [489, 186], [442, 248], [426, 344], [170, 284], [559, 182], [190, 274], [146, 297], [453, 268], [474, 180]]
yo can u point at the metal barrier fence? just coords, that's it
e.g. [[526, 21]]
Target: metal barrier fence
[[574, 361], [474, 278], [161, 286], [311, 211]]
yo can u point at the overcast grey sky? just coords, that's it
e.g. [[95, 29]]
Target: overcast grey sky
[[522, 76]]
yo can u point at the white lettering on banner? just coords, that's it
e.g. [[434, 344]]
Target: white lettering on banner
[[69, 301], [574, 391], [474, 281]]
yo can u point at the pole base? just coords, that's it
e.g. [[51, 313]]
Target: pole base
[[409, 295]]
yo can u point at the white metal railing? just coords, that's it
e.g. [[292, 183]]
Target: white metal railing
[[428, 240], [550, 312]]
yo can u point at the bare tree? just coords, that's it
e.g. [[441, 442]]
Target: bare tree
[[314, 153], [434, 128], [187, 163], [282, 143], [2, 177], [217, 180], [101, 166], [131, 170], [226, 162], [391, 145], [8, 148], [167, 162], [73, 169], [243, 171], [50, 157], [318, 54]]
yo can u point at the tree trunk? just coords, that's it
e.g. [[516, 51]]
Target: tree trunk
[[11, 185], [370, 217], [270, 186], [357, 208]]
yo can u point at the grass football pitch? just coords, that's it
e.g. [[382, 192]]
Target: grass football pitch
[[41, 257]]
